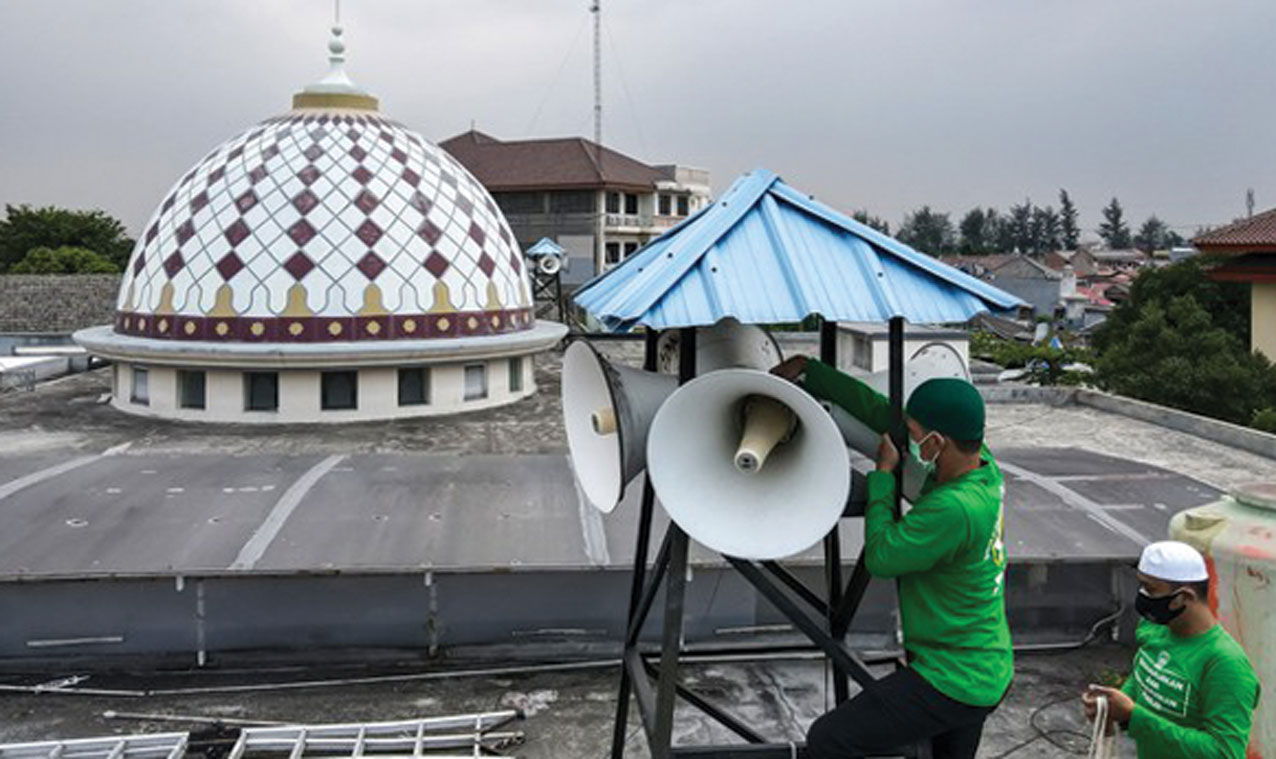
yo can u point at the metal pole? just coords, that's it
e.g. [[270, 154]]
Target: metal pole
[[833, 541], [641, 550], [899, 432]]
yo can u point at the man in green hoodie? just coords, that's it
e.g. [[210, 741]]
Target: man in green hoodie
[[1192, 693], [949, 557]]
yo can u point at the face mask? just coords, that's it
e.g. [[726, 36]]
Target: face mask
[[1157, 609], [915, 450]]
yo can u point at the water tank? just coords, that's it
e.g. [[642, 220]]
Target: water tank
[[1237, 535]]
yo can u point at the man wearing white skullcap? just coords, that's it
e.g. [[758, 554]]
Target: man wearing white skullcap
[[1192, 691]]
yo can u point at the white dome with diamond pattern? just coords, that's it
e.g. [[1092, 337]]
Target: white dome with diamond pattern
[[329, 223]]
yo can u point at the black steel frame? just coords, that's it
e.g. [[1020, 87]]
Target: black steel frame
[[547, 294], [824, 620]]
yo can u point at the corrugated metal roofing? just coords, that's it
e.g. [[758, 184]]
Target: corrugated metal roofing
[[765, 253], [545, 247]]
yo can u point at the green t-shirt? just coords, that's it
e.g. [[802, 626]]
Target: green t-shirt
[[948, 552], [1194, 697]]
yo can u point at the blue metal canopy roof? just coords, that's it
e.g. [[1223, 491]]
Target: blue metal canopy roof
[[545, 247], [765, 253]]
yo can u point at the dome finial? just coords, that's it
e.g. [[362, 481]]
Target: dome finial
[[335, 89]]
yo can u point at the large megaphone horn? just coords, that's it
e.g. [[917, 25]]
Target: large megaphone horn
[[748, 464], [607, 410]]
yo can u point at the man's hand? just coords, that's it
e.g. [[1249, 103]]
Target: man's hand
[[887, 455], [791, 368], [1120, 706]]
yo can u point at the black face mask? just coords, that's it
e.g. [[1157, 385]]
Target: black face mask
[[1157, 609]]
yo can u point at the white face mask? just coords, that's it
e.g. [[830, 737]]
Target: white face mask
[[915, 450]]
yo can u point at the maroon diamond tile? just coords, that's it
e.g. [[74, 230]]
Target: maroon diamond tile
[[490, 208], [411, 177], [198, 202], [230, 265], [305, 201], [308, 175], [429, 232], [436, 264], [371, 265], [246, 201], [185, 232], [421, 203], [139, 264], [412, 138], [299, 265], [168, 202], [369, 232], [398, 155], [386, 136], [516, 263], [319, 134], [174, 263], [237, 152], [465, 205], [353, 134], [505, 235], [312, 153], [476, 234], [186, 179], [358, 153], [361, 175], [270, 152], [257, 174], [154, 230], [366, 201], [254, 135], [448, 178], [301, 232], [237, 232], [486, 263], [216, 175]]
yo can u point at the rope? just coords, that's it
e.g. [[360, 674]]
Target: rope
[[1102, 745]]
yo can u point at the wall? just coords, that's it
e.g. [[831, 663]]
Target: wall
[[1263, 318], [52, 303]]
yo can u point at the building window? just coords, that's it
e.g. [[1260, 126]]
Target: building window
[[141, 393], [684, 205], [339, 391], [115, 380], [630, 249], [520, 202], [613, 202], [190, 389], [613, 252], [631, 204], [475, 382], [666, 207], [261, 391], [573, 201], [414, 386], [516, 374]]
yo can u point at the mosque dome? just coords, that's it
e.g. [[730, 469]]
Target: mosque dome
[[325, 224], [329, 236]]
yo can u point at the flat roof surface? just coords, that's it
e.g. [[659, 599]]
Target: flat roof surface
[[88, 490]]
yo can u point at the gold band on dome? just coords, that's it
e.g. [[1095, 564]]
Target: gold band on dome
[[346, 100]]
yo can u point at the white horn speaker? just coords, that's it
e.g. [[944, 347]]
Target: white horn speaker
[[928, 362], [548, 264], [728, 344], [607, 410], [748, 464]]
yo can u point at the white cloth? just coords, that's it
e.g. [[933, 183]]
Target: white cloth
[[1173, 561]]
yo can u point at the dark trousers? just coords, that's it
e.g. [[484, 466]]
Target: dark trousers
[[899, 710]]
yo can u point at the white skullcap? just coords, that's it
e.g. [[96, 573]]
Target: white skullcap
[[1173, 561]]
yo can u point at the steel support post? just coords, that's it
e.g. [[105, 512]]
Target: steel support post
[[833, 540]]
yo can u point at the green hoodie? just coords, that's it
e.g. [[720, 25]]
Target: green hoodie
[[1194, 697], [948, 553]]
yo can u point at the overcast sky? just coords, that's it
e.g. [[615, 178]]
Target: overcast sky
[[886, 104]]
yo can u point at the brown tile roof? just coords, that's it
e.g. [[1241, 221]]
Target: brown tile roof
[[1255, 233], [562, 163]]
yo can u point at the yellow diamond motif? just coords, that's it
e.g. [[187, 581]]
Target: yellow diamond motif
[[373, 328], [258, 329], [444, 324], [295, 329], [471, 323], [141, 324], [190, 328], [409, 325], [163, 325], [222, 328], [334, 328]]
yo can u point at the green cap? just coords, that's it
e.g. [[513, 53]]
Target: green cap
[[949, 406]]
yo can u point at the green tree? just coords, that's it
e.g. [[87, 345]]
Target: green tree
[[1003, 232], [1045, 230], [1113, 230], [928, 231], [978, 232], [865, 218], [1227, 303], [1153, 235], [64, 260], [1069, 232], [25, 228], [1020, 220], [1175, 356]]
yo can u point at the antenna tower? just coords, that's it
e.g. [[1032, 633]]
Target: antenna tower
[[596, 9]]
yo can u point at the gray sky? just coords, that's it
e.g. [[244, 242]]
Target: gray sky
[[884, 104]]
